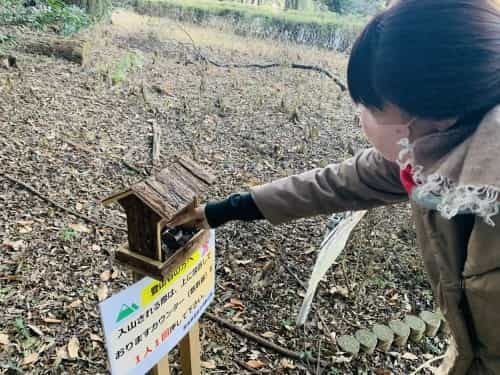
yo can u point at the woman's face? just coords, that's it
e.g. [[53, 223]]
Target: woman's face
[[384, 129]]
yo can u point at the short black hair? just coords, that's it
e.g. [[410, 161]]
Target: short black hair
[[434, 59]]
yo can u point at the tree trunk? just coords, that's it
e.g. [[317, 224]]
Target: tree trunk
[[68, 49], [335, 6], [95, 8], [291, 4]]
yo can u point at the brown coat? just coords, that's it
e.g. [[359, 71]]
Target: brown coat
[[461, 254]]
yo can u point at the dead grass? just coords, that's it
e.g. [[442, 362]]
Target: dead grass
[[166, 29]]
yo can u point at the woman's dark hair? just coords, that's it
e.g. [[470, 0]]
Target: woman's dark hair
[[434, 59]]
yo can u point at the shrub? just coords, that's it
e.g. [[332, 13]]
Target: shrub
[[324, 29], [47, 14]]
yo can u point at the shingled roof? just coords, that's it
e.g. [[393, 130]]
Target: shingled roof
[[171, 189]]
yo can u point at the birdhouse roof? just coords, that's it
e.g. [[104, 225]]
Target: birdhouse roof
[[171, 189]]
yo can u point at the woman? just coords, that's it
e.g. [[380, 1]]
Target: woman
[[426, 77]]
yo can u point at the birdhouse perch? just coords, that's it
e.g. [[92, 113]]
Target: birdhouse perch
[[149, 205]]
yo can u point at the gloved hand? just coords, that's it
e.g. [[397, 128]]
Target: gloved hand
[[192, 216]]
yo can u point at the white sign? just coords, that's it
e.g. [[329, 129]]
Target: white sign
[[145, 321]]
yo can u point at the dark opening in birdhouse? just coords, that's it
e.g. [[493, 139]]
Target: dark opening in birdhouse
[[154, 249]]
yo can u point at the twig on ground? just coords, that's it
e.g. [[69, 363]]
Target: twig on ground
[[328, 332], [299, 281], [32, 190], [318, 364], [258, 339], [427, 363], [314, 68], [156, 144], [246, 367], [346, 279], [131, 167]]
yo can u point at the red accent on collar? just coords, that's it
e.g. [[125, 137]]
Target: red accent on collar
[[407, 179]]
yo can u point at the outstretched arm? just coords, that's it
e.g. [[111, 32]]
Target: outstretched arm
[[365, 181]]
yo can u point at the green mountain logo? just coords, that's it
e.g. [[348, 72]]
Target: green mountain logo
[[126, 311]]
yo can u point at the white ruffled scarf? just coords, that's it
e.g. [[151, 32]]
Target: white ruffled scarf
[[458, 171]]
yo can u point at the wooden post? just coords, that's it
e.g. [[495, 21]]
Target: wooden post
[[161, 368], [190, 351]]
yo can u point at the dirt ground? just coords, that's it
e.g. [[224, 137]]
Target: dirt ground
[[66, 129]]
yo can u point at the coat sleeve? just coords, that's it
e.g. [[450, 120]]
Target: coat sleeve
[[367, 180]]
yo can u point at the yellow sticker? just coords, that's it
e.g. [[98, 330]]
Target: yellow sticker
[[155, 288]]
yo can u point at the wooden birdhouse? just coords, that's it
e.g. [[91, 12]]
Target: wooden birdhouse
[[149, 205]]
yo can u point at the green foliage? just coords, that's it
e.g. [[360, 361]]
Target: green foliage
[[47, 14], [306, 356], [11, 367], [7, 42], [96, 9], [287, 324], [232, 8], [67, 234], [325, 29], [21, 328], [125, 65], [356, 7]]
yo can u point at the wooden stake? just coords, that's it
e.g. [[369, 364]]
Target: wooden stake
[[161, 368], [444, 328], [432, 322], [401, 332], [384, 335], [348, 344], [191, 352], [156, 143], [417, 327], [367, 339]]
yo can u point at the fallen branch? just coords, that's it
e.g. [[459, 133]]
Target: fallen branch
[[69, 49], [260, 340], [427, 363], [314, 68], [318, 69], [57, 205], [131, 167]]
